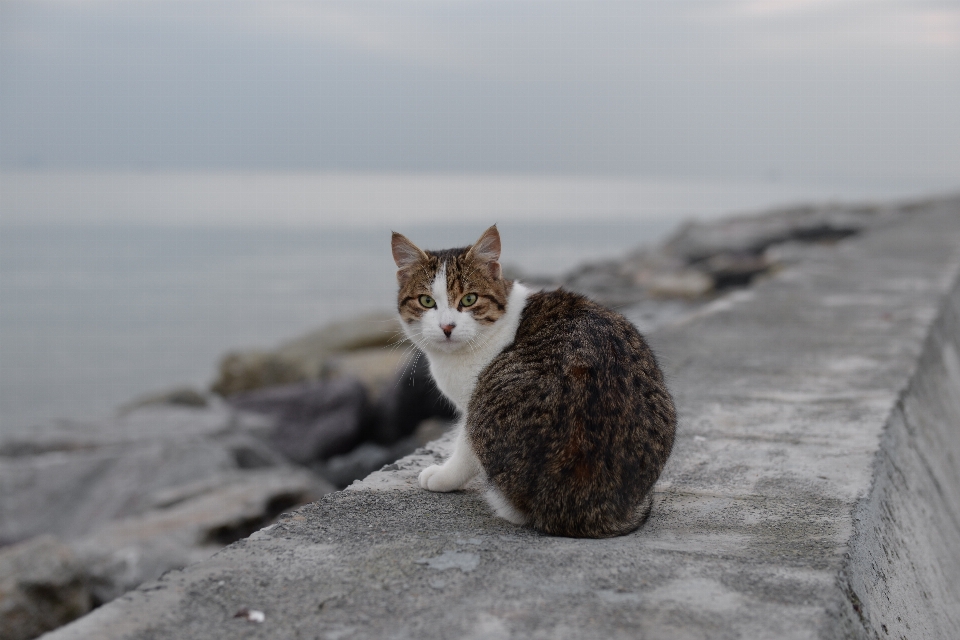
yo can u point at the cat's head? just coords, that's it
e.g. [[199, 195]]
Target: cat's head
[[448, 300]]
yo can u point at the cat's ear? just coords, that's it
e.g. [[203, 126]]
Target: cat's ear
[[405, 254], [486, 251]]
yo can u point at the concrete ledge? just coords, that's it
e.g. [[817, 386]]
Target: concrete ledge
[[813, 492]]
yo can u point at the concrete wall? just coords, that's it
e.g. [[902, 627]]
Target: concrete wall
[[902, 578], [813, 492]]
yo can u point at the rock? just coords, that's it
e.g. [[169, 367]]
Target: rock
[[147, 424], [365, 332], [72, 493], [75, 477], [703, 259], [687, 283], [249, 370], [252, 453], [728, 270], [183, 397], [342, 470], [751, 235], [189, 523], [42, 586], [412, 398], [305, 358], [154, 489], [315, 420], [376, 368]]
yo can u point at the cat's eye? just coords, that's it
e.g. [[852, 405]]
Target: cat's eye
[[468, 299], [428, 302]]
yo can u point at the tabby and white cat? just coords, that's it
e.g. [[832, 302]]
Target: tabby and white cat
[[562, 405]]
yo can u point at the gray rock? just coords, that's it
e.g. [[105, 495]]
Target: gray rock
[[152, 490], [42, 586], [304, 358], [147, 424], [182, 397], [342, 470], [244, 371], [751, 235], [72, 493], [411, 398], [371, 330], [704, 259], [72, 477], [189, 523], [376, 368], [315, 420]]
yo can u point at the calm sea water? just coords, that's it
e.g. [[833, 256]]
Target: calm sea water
[[92, 316]]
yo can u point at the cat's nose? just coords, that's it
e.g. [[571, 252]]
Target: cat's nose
[[447, 329]]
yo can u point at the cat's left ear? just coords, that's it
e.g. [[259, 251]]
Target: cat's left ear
[[405, 254], [486, 251]]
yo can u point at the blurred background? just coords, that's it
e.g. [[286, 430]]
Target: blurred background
[[178, 178]]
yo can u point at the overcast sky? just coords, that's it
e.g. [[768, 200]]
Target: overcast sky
[[796, 90]]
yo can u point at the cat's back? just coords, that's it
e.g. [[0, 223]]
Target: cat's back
[[573, 422]]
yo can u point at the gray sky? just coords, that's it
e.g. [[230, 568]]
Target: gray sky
[[809, 91]]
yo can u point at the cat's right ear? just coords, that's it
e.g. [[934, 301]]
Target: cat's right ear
[[486, 251], [405, 254]]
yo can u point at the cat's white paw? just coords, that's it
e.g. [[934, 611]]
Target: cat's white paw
[[439, 478]]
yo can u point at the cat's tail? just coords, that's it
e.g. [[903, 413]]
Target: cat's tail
[[637, 519]]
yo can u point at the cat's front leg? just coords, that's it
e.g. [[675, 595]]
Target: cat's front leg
[[457, 471]]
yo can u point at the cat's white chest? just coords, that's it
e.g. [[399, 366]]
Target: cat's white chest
[[456, 373], [456, 379]]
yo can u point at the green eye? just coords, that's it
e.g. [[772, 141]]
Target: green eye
[[468, 299], [428, 302]]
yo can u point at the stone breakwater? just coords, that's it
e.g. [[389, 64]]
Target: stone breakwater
[[788, 339]]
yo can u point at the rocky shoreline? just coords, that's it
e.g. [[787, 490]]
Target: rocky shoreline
[[88, 511]]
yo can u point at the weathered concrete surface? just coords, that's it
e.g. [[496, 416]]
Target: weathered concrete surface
[[813, 492]]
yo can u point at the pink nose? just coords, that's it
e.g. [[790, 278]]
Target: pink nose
[[447, 329]]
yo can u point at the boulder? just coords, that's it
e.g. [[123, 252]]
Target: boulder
[[71, 493], [373, 330], [244, 371], [158, 487], [342, 470], [751, 235], [410, 399], [314, 420], [180, 396], [70, 478], [376, 368], [42, 586], [189, 523], [146, 424], [306, 357]]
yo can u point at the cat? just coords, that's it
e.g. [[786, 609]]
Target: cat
[[562, 405]]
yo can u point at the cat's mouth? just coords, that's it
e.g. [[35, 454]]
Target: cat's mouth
[[448, 343]]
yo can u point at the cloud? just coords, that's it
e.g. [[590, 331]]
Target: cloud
[[582, 41]]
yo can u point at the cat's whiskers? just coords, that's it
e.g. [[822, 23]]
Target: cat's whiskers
[[393, 346], [475, 345], [411, 365], [411, 355], [408, 363]]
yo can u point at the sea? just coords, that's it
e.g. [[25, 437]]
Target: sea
[[109, 290]]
